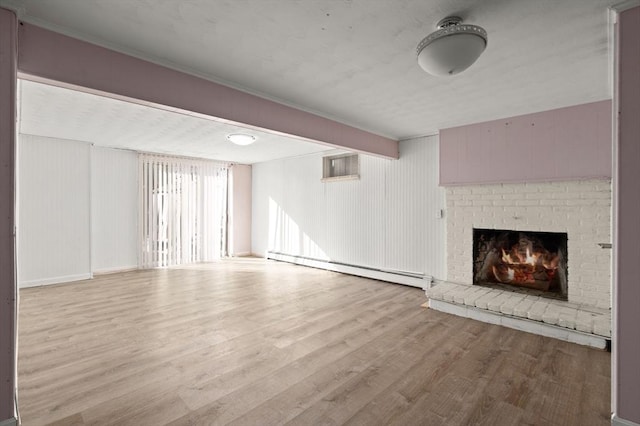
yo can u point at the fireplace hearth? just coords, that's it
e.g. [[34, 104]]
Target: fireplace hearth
[[522, 261]]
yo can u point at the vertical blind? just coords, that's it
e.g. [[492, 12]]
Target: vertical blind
[[183, 210]]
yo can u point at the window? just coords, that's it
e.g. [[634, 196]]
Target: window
[[341, 167]]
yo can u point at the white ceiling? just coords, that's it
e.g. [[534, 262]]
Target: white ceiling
[[354, 60], [67, 114]]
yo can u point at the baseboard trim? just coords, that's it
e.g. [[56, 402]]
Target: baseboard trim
[[242, 254], [107, 271], [9, 422], [521, 324], [55, 280], [617, 421], [412, 279]]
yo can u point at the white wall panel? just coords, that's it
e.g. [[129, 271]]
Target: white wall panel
[[114, 206], [355, 216], [415, 233], [54, 210], [386, 219]]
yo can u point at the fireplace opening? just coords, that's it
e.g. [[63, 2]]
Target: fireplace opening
[[522, 261]]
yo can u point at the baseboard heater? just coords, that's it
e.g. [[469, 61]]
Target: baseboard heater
[[414, 279]]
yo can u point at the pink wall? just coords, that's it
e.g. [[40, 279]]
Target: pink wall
[[8, 48], [51, 56], [561, 144], [241, 210], [627, 243]]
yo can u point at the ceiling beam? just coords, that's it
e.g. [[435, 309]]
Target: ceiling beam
[[44, 55]]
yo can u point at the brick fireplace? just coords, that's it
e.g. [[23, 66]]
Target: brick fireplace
[[561, 231], [581, 209], [541, 178]]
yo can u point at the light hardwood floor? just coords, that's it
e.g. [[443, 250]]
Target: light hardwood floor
[[252, 342]]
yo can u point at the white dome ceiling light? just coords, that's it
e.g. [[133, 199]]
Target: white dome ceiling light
[[451, 49], [241, 139]]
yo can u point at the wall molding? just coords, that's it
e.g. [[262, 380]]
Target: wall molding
[[398, 277], [617, 421], [55, 280], [107, 271], [625, 5], [242, 254]]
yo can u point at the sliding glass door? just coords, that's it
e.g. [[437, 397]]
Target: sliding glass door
[[183, 211]]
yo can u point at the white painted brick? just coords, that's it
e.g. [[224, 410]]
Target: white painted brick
[[550, 316], [596, 195], [492, 197], [480, 190], [504, 203], [584, 322], [516, 196], [565, 195], [508, 306], [503, 189], [567, 319], [471, 297], [496, 302], [586, 223], [522, 308], [481, 302], [546, 188], [435, 293], [552, 202], [602, 327], [526, 202], [580, 202], [463, 191], [537, 310]]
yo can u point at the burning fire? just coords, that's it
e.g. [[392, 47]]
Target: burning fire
[[525, 267]]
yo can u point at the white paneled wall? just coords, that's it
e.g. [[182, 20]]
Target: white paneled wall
[[77, 210], [416, 232], [387, 219], [114, 207], [53, 219]]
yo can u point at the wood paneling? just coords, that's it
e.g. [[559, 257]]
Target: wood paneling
[[253, 342]]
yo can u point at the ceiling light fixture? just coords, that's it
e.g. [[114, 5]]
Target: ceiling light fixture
[[241, 139], [451, 49]]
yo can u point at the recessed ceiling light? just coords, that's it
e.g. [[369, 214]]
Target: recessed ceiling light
[[241, 139]]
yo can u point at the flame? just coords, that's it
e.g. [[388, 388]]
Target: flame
[[506, 258], [528, 258], [502, 277], [531, 259], [524, 263]]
